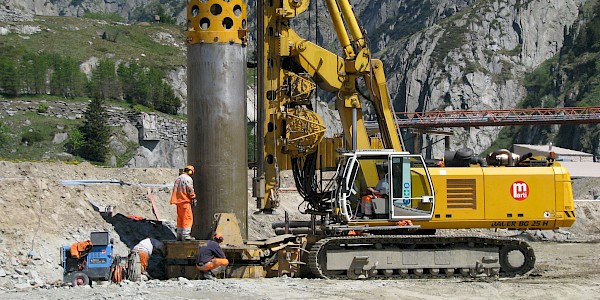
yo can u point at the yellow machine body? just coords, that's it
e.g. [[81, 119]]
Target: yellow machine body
[[466, 197], [501, 197]]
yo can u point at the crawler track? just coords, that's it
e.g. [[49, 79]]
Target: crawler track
[[510, 256]]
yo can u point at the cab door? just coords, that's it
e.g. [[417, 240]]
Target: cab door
[[345, 188], [411, 189]]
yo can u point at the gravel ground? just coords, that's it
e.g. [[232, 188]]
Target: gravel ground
[[40, 215], [564, 271]]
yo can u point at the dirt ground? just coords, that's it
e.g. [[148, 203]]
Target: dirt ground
[[41, 213]]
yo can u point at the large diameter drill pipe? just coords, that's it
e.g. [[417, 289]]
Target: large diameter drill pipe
[[217, 119]]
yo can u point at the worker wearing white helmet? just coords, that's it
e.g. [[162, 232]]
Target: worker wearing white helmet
[[145, 248]]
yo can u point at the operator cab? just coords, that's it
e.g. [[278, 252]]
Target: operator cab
[[405, 187]]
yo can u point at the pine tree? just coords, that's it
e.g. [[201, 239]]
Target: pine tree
[[76, 79], [167, 102], [66, 80], [104, 83], [133, 80], [96, 131], [9, 77], [58, 78], [3, 135], [35, 67]]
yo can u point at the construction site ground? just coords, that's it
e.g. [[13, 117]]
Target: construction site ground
[[41, 213]]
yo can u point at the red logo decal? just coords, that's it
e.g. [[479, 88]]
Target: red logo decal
[[519, 190]]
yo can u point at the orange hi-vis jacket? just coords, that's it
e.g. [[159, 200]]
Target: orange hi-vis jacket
[[183, 190], [80, 249]]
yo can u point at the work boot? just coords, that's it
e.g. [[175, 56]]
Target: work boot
[[187, 237], [207, 275], [179, 236]]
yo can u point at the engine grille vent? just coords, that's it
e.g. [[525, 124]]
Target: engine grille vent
[[462, 193]]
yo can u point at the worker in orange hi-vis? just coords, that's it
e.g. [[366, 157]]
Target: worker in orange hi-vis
[[211, 257], [145, 248], [380, 191], [184, 197]]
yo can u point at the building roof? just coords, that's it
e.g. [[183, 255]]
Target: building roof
[[558, 150], [582, 169]]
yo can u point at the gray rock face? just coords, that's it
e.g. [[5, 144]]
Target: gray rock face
[[77, 8], [387, 21], [131, 132], [60, 137], [474, 59], [161, 154], [9, 14], [177, 79]]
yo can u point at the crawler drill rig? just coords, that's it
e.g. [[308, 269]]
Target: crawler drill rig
[[341, 241], [502, 191]]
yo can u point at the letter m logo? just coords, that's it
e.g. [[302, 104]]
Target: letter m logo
[[519, 190]]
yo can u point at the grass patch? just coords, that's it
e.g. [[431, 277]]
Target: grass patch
[[111, 17], [29, 136], [82, 38]]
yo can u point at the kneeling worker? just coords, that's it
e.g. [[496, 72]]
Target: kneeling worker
[[145, 248], [211, 256]]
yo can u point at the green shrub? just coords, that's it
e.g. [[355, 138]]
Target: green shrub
[[31, 137], [140, 108], [3, 135], [75, 142], [42, 108]]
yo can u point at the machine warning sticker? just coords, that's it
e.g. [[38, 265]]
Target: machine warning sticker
[[519, 190]]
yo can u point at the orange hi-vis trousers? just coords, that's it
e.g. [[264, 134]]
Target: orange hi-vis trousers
[[143, 260], [214, 263], [185, 215], [367, 204]]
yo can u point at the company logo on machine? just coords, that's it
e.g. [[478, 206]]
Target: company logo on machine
[[519, 190]]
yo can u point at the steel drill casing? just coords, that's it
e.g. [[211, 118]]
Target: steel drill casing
[[217, 113]]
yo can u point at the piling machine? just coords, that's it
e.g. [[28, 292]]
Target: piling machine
[[397, 237], [501, 191]]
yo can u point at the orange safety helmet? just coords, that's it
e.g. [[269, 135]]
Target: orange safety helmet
[[189, 169], [219, 237]]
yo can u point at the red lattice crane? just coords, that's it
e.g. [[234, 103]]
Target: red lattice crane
[[499, 117]]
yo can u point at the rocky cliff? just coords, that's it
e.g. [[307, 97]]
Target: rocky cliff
[[439, 54], [130, 10], [472, 58]]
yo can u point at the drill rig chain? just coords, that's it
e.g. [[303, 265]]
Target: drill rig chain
[[519, 251], [516, 257]]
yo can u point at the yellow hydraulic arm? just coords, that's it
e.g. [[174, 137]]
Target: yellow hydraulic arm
[[290, 63]]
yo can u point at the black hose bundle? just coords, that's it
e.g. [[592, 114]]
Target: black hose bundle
[[304, 170]]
